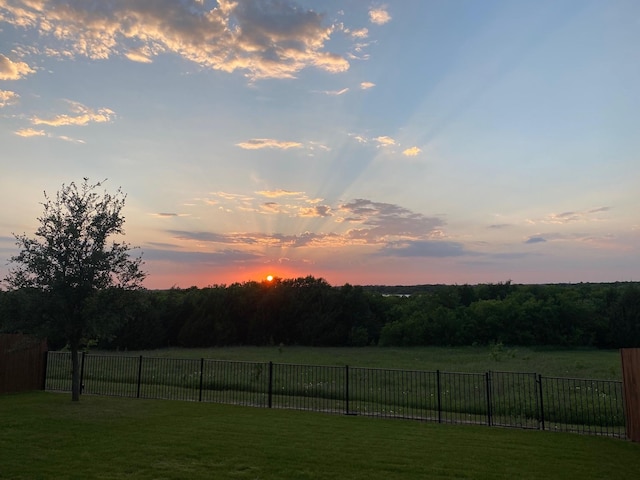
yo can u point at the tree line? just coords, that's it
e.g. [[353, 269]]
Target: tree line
[[309, 311]]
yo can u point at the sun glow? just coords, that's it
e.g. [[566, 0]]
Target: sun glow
[[269, 278]]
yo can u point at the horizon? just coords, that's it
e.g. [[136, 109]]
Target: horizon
[[376, 144]]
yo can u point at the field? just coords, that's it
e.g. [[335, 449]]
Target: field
[[45, 435], [574, 363]]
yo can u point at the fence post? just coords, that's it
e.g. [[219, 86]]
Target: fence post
[[488, 387], [270, 383], [439, 404], [139, 376], [45, 361], [82, 373], [346, 388], [201, 375], [541, 403]]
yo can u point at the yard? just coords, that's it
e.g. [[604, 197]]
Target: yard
[[45, 435]]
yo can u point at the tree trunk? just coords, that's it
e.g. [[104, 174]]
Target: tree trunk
[[75, 373]]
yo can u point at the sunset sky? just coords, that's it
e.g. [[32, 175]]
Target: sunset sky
[[399, 142]]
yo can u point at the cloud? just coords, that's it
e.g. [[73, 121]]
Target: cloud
[[170, 215], [383, 222], [379, 15], [7, 97], [498, 226], [336, 92], [360, 222], [258, 143], [535, 239], [30, 132], [411, 152], [139, 55], [278, 193], [10, 70], [272, 207], [425, 248], [359, 33], [317, 211], [385, 141], [223, 257], [263, 39], [572, 216], [367, 85], [82, 115]]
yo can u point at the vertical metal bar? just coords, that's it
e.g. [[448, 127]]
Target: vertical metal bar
[[139, 376], [439, 404], [201, 375], [541, 402], [346, 388], [270, 394], [487, 377]]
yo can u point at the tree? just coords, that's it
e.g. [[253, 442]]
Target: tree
[[72, 263]]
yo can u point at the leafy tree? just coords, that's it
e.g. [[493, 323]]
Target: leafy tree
[[71, 261]]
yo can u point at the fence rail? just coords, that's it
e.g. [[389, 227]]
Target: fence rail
[[506, 399]]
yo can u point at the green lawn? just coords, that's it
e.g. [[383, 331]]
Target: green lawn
[[46, 436], [577, 363]]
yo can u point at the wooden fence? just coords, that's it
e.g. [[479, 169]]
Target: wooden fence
[[631, 388], [22, 363]]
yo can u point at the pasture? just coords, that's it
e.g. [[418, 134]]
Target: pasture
[[45, 435], [553, 362]]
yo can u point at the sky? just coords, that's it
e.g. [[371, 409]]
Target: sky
[[391, 143]]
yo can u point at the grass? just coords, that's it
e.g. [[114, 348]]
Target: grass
[[45, 435], [577, 363]]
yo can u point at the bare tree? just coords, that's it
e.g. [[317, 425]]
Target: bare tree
[[71, 260]]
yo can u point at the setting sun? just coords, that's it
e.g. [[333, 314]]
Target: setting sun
[[269, 278]]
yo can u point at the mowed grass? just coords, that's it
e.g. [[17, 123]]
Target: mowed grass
[[46, 436], [574, 363]]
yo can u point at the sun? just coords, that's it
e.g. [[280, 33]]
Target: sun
[[269, 278]]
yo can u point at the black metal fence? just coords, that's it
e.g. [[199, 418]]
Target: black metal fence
[[507, 399]]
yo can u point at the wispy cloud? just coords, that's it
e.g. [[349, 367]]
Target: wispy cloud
[[81, 115], [359, 33], [336, 92], [219, 258], [316, 211], [425, 248], [535, 239], [279, 193], [7, 97], [259, 143], [385, 141], [10, 70], [411, 152], [379, 15], [30, 132], [261, 39], [384, 222], [367, 85], [170, 214], [358, 222], [590, 215]]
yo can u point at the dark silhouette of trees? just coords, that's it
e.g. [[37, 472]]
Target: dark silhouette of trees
[[73, 268]]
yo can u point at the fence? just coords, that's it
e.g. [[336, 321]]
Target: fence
[[22, 363], [631, 378], [522, 400]]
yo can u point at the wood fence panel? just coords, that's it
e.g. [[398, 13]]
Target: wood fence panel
[[22, 363], [631, 389]]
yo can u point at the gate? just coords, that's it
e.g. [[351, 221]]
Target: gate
[[22, 363]]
